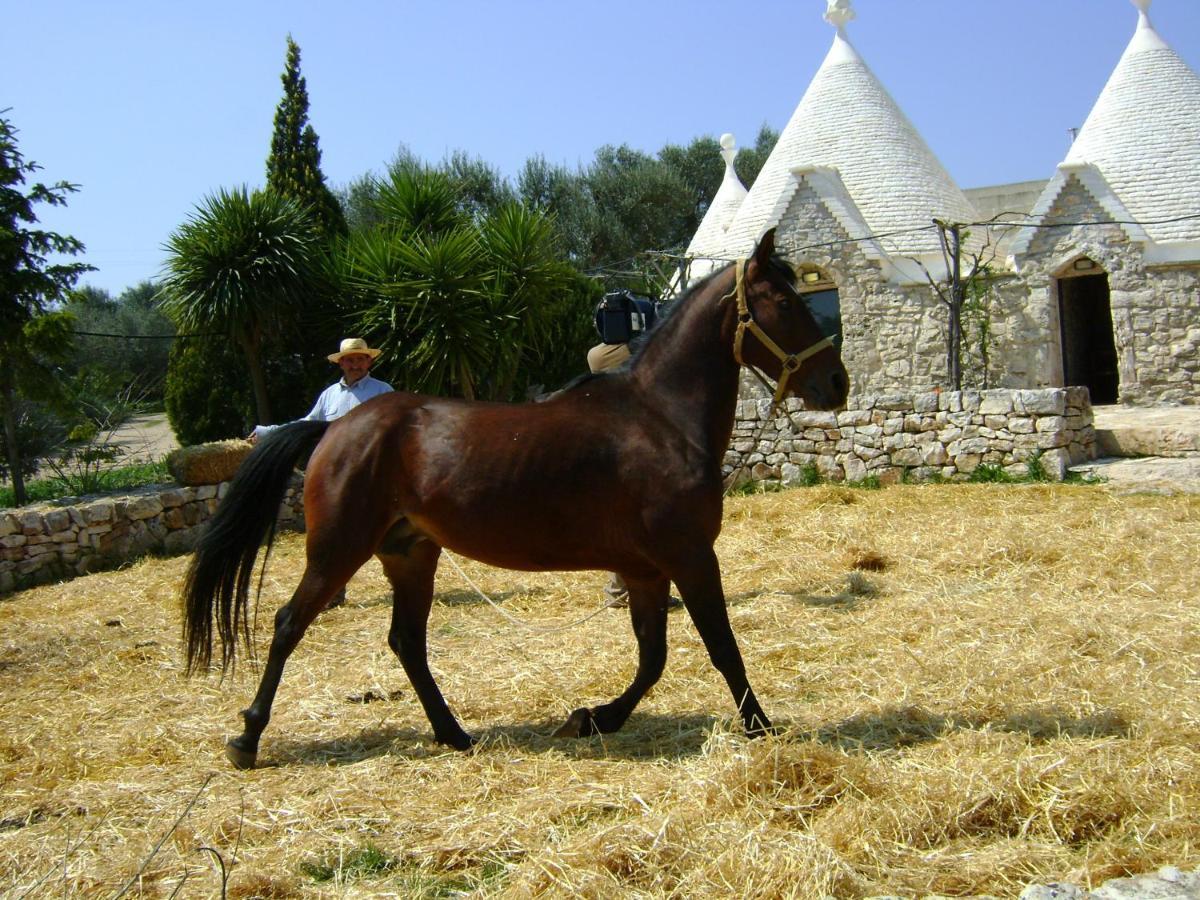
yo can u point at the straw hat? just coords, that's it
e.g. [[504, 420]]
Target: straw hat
[[353, 345]]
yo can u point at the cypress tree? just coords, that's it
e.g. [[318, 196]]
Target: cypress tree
[[294, 165]]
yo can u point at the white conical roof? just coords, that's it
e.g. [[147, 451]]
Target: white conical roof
[[1143, 135], [849, 123], [709, 239]]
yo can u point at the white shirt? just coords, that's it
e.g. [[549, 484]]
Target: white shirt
[[335, 401]]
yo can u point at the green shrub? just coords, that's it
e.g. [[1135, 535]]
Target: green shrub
[[810, 475], [870, 483], [207, 391], [990, 473], [1035, 471]]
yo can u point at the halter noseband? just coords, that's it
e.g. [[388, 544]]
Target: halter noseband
[[790, 362]]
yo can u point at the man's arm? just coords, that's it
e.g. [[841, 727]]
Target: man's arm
[[319, 413]]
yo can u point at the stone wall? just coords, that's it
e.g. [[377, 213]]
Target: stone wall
[[946, 434], [893, 337], [53, 542]]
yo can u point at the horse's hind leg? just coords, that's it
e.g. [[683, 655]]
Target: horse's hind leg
[[648, 610], [410, 566], [291, 621], [700, 585]]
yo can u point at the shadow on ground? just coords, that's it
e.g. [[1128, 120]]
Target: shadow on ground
[[674, 737]]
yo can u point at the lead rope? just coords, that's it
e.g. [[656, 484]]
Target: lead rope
[[506, 614]]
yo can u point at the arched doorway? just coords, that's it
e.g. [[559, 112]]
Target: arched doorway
[[1089, 353]]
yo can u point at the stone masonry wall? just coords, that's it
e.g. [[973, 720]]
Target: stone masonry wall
[[944, 434], [53, 542]]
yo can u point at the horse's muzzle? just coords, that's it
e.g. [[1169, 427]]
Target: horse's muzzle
[[826, 390]]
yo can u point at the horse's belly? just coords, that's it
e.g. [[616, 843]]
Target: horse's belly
[[528, 543]]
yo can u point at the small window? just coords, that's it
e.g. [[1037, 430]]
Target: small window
[[821, 295]]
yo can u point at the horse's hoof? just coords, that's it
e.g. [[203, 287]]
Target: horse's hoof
[[759, 728], [241, 759], [580, 723], [462, 741]]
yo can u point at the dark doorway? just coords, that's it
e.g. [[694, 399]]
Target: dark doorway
[[826, 308], [1088, 351]]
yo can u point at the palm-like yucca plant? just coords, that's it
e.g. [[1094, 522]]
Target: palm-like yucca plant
[[529, 286], [433, 316], [242, 264], [419, 200], [458, 303]]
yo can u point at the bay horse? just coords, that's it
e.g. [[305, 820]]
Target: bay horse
[[620, 472]]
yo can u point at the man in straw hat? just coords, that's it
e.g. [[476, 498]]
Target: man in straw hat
[[354, 358]]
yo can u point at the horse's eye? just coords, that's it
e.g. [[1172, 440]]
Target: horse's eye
[[785, 304]]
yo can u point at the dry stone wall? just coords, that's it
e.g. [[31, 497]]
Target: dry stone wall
[[54, 542], [946, 434]]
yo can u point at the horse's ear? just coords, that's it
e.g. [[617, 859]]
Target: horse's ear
[[765, 249]]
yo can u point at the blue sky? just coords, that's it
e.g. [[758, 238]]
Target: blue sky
[[149, 106]]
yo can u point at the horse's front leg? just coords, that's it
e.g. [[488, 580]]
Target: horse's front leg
[[410, 567], [291, 621], [699, 582], [648, 611]]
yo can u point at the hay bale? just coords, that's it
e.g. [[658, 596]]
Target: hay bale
[[207, 463]]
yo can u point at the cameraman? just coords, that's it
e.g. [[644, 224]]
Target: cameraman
[[621, 317]]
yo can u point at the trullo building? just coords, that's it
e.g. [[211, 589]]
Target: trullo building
[[1093, 275]]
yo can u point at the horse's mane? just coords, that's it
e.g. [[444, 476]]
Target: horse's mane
[[638, 345]]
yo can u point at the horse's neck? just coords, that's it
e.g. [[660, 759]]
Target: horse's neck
[[689, 372]]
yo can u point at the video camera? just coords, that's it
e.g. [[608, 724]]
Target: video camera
[[623, 315]]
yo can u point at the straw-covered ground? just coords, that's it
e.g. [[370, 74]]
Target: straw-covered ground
[[981, 686]]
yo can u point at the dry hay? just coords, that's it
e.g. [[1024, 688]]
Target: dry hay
[[209, 463], [980, 685]]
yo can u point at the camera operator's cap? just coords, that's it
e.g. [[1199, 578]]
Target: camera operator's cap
[[353, 345]]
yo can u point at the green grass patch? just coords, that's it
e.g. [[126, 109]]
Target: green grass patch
[[125, 478], [870, 483], [986, 473], [407, 878], [991, 473], [749, 488]]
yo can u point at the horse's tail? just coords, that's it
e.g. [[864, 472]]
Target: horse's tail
[[218, 579]]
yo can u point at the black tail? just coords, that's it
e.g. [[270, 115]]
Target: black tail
[[218, 579]]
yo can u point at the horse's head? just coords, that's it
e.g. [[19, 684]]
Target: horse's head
[[777, 333]]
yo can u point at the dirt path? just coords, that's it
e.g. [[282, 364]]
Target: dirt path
[[146, 438]]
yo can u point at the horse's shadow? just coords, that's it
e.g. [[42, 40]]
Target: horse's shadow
[[646, 737], [853, 594], [677, 737], [895, 728], [856, 590], [456, 597]]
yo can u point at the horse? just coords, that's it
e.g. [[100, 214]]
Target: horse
[[620, 472]]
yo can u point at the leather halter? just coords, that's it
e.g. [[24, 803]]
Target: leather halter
[[790, 362]]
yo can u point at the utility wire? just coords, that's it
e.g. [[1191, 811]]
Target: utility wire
[[988, 224], [620, 268], [149, 337]]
